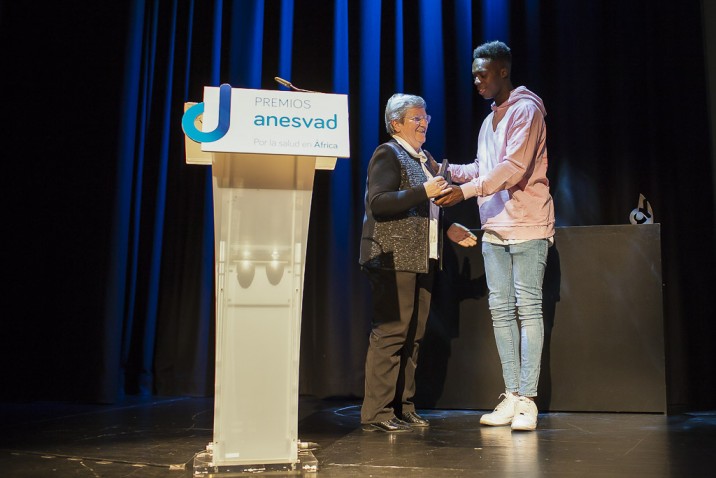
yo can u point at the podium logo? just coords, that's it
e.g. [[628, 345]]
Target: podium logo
[[190, 116]]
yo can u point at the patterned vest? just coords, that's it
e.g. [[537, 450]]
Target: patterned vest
[[401, 242]]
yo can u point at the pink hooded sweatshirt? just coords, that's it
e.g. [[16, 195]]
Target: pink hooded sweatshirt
[[509, 175]]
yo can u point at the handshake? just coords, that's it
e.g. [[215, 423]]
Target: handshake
[[449, 194]]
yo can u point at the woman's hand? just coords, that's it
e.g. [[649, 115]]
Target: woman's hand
[[436, 187], [462, 235]]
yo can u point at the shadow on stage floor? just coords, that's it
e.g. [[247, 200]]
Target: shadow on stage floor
[[159, 438]]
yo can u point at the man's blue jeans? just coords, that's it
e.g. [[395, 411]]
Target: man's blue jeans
[[514, 276]]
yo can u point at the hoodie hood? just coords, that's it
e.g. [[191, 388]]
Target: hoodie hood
[[521, 93]]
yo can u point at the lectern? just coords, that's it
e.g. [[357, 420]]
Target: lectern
[[263, 148]]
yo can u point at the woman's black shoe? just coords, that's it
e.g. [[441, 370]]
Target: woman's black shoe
[[415, 420], [389, 426]]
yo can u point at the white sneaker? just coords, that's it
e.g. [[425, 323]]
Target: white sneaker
[[525, 415], [503, 413]]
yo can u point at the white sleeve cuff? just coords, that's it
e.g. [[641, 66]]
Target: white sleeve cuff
[[469, 190]]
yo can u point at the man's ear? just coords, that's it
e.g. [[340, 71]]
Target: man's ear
[[504, 72]]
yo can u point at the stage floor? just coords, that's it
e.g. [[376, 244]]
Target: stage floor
[[159, 437]]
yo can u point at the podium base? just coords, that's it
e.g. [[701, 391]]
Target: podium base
[[204, 466]]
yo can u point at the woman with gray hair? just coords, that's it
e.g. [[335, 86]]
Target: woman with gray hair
[[399, 253]]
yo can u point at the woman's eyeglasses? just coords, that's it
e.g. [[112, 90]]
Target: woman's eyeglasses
[[418, 119]]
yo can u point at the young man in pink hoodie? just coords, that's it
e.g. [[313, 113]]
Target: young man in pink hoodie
[[509, 179]]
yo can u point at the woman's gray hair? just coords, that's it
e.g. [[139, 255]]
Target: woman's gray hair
[[397, 106]]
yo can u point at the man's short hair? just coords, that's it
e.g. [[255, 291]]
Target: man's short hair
[[494, 50]]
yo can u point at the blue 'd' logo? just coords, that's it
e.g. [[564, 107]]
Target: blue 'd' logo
[[190, 115]]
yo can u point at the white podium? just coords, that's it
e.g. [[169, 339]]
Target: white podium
[[263, 168]]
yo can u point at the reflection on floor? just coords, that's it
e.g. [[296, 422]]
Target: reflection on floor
[[159, 438]]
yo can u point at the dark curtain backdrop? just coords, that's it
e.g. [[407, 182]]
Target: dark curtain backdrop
[[109, 279]]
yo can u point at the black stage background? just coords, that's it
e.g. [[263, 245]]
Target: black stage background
[[105, 250]]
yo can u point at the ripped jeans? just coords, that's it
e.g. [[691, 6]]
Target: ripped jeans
[[514, 276]]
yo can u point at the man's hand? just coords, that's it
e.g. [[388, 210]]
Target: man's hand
[[462, 235], [451, 198]]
